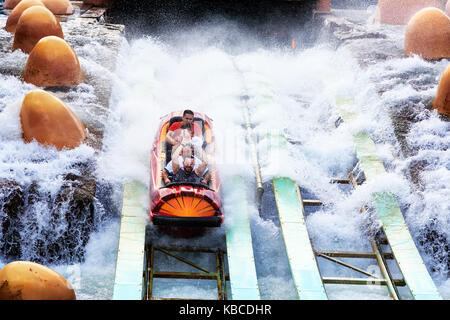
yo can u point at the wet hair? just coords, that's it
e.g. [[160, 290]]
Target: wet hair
[[187, 111]]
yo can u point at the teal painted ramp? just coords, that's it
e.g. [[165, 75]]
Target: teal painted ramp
[[405, 252], [128, 282], [241, 262], [302, 261]]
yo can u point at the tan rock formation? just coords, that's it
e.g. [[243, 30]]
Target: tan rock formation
[[401, 11], [442, 100], [34, 24], [59, 6], [50, 121], [428, 34], [323, 5], [99, 3], [10, 4], [15, 14], [24, 280], [53, 62]]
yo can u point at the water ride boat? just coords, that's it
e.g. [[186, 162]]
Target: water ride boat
[[183, 203]]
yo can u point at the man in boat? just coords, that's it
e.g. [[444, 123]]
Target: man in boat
[[173, 134], [186, 152], [185, 172]]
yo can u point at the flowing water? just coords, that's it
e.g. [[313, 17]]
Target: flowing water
[[209, 69]]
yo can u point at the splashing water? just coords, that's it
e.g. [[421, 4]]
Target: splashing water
[[155, 78]]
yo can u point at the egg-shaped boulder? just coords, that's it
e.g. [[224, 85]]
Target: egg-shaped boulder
[[401, 11], [15, 14], [34, 24], [428, 34], [50, 121], [442, 100], [323, 5], [59, 6], [99, 3], [53, 62], [24, 280], [10, 4]]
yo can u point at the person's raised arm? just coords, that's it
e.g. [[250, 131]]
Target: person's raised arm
[[165, 176], [175, 161], [170, 139], [203, 157], [201, 168]]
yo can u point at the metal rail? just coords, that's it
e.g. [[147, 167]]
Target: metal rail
[[394, 226], [377, 254], [242, 279], [243, 282], [151, 273], [290, 206], [253, 153]]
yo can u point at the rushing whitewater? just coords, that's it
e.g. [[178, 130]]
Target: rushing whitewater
[[210, 69], [209, 77]]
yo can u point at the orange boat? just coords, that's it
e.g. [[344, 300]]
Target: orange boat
[[184, 204]]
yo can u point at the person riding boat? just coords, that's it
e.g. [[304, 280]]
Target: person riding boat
[[184, 172], [186, 151], [173, 134]]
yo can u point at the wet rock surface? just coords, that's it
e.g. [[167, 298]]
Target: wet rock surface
[[60, 236], [368, 43]]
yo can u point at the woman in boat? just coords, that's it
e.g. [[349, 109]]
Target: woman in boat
[[173, 136]]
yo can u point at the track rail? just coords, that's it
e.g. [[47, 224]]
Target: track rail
[[128, 281], [393, 242], [303, 257], [302, 262], [397, 234], [241, 262]]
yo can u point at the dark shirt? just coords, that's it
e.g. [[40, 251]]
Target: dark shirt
[[183, 176]]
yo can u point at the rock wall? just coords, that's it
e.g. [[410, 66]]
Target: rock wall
[[54, 227]]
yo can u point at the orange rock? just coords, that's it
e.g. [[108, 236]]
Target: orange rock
[[442, 101], [401, 11], [34, 24], [53, 62], [99, 3], [428, 34], [15, 14], [50, 121], [59, 6], [24, 280], [10, 4], [323, 5]]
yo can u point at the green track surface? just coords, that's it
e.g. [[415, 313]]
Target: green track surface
[[241, 262], [405, 252], [302, 261], [130, 257]]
